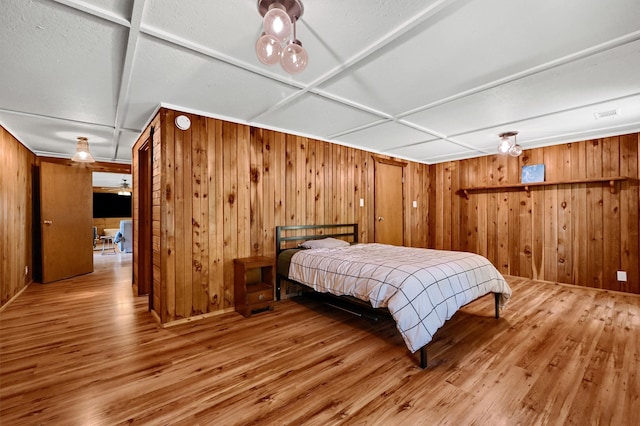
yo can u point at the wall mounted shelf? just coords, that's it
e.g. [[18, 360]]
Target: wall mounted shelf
[[464, 192]]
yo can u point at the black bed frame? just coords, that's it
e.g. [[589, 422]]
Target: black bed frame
[[345, 303]]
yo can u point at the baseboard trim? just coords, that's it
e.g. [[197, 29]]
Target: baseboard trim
[[194, 318], [2, 308]]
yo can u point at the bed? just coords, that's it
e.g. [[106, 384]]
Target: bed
[[419, 288]]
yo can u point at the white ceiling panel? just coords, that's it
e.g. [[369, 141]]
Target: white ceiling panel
[[386, 136], [434, 151], [125, 141], [589, 81], [211, 23], [100, 151], [427, 80], [59, 62], [315, 115], [581, 123], [58, 138], [338, 32], [477, 44], [567, 126], [165, 73]]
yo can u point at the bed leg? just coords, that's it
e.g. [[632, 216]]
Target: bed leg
[[278, 286], [497, 297], [423, 357]]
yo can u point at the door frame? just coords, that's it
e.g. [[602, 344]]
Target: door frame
[[143, 225]]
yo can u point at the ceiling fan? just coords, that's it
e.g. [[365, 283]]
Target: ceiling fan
[[123, 189]]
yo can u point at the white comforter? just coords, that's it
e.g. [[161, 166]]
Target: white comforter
[[422, 288]]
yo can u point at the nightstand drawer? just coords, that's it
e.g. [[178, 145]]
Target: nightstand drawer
[[258, 293]]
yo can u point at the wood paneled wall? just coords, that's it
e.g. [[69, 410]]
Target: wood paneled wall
[[102, 223], [220, 189], [16, 204], [570, 233]]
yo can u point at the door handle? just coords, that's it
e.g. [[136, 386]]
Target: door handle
[[47, 222], [380, 218]]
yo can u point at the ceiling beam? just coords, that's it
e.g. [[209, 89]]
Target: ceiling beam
[[127, 71], [95, 11]]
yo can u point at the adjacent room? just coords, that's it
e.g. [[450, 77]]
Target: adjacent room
[[303, 212], [112, 224]]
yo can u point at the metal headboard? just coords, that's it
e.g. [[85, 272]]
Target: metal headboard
[[282, 240]]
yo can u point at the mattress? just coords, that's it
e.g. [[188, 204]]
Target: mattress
[[421, 288]]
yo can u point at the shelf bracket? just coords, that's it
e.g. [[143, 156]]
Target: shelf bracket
[[526, 188], [466, 194], [612, 186]]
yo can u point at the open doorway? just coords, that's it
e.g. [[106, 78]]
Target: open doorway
[[112, 214], [63, 218]]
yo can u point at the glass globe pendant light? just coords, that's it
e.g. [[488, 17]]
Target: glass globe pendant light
[[277, 44], [294, 58], [276, 22], [83, 155], [268, 49], [506, 146], [515, 150]]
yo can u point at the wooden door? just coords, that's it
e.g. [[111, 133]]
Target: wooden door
[[66, 221], [389, 205]]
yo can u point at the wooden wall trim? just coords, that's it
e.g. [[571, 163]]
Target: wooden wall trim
[[391, 161], [14, 297], [98, 166]]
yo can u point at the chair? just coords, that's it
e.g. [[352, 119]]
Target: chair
[[124, 237]]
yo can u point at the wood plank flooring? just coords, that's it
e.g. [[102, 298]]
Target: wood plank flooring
[[85, 351]]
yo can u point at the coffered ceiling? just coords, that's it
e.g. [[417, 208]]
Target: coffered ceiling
[[425, 80]]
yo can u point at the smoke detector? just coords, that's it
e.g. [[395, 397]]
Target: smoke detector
[[183, 122]]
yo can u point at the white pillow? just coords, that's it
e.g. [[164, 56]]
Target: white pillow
[[324, 243]]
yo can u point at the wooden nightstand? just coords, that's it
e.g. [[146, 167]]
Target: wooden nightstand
[[253, 284]]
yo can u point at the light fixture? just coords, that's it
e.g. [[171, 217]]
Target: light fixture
[[124, 189], [277, 22], [276, 43], [508, 146], [268, 49], [82, 154], [294, 58]]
